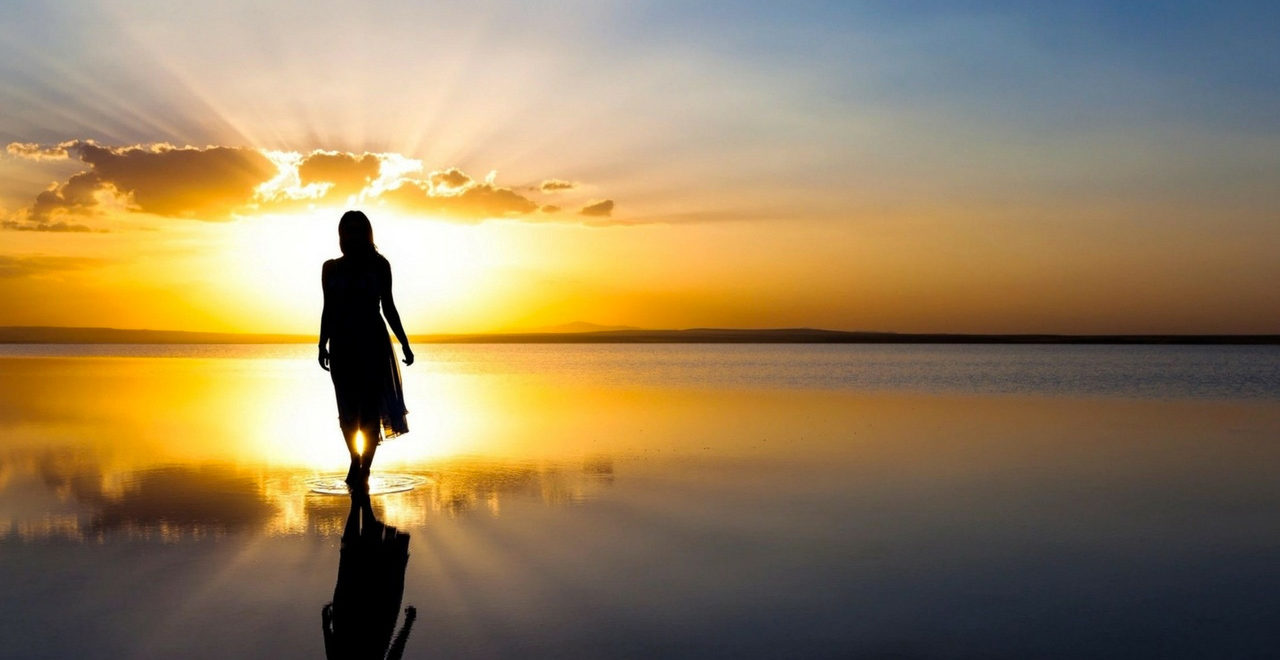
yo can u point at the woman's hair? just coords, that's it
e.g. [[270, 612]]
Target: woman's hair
[[355, 235]]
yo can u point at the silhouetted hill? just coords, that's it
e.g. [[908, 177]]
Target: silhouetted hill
[[579, 326], [819, 336], [58, 335]]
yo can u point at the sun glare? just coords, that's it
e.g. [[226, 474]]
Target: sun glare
[[439, 267], [294, 422]]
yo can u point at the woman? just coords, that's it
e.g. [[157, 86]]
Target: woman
[[355, 348]]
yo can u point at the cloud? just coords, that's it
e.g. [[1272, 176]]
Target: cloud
[[451, 178], [26, 266], [602, 209], [219, 183], [345, 173], [44, 226], [556, 185], [33, 151], [476, 202], [181, 182], [208, 183], [77, 196]]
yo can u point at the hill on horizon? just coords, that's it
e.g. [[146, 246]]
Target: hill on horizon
[[581, 333], [578, 326]]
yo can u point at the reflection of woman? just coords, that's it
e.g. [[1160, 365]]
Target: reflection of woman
[[366, 378], [361, 620]]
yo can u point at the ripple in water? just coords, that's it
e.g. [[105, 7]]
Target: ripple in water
[[380, 483]]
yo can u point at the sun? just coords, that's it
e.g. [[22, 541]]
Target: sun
[[271, 264]]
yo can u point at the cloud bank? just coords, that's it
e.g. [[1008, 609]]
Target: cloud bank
[[221, 183], [12, 266]]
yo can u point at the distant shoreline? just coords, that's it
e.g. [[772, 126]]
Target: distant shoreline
[[59, 335]]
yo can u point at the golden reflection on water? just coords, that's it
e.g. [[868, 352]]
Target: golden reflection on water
[[140, 411], [181, 448], [176, 449], [129, 413]]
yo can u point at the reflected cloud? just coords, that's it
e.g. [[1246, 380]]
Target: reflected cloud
[[65, 495]]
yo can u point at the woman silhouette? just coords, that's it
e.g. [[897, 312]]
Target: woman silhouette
[[358, 355]]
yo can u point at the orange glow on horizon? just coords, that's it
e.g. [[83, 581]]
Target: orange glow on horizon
[[541, 171]]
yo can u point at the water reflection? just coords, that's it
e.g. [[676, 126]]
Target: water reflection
[[360, 621], [63, 494], [755, 521]]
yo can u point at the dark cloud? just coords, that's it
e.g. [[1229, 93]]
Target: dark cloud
[[77, 196], [554, 185], [601, 209], [181, 182], [550, 208], [476, 202], [450, 178], [25, 266], [348, 173]]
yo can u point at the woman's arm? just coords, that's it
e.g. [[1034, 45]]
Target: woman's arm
[[326, 324], [393, 315]]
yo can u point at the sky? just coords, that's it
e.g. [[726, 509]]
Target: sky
[[1087, 167]]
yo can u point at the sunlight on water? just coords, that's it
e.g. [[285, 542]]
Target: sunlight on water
[[176, 427], [245, 438], [643, 483]]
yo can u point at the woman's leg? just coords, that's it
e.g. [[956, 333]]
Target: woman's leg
[[349, 435], [372, 436]]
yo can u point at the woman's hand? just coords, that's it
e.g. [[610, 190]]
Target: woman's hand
[[324, 358], [408, 356]]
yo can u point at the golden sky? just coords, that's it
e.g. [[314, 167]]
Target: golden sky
[[942, 168]]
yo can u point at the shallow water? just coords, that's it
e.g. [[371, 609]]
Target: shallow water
[[655, 501]]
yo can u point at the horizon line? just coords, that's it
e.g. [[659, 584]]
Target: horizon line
[[36, 334]]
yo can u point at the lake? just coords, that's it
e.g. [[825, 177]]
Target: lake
[[640, 501]]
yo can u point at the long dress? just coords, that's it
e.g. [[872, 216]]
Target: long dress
[[366, 378]]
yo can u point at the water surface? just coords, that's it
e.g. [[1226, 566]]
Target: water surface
[[656, 501]]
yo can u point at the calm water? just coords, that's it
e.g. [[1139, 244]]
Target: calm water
[[655, 501]]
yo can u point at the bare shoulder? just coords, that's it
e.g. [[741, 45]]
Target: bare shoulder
[[328, 270]]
